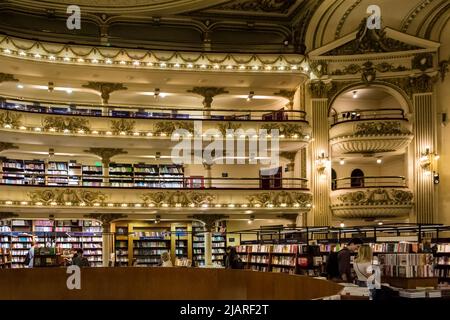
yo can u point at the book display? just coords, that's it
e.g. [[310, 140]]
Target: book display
[[121, 246], [149, 242], [65, 236], [198, 245], [181, 241], [442, 262], [218, 248], [61, 173]]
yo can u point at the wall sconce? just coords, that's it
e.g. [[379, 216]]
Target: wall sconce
[[427, 160], [321, 163]]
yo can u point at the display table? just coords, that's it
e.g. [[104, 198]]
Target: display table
[[410, 283], [162, 283]]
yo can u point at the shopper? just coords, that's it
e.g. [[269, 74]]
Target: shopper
[[362, 263], [232, 260], [29, 258], [80, 260], [344, 265], [165, 260]]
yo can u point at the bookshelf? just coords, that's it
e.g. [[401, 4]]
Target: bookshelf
[[442, 262], [122, 245], [146, 175], [5, 258], [121, 175], [181, 241], [47, 257], [92, 176], [219, 244], [198, 245], [58, 173], [171, 176], [149, 242], [75, 173]]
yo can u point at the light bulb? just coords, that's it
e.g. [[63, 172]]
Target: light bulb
[[342, 162]]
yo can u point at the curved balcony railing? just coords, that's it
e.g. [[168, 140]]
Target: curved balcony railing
[[369, 182], [372, 114], [149, 182], [153, 112]]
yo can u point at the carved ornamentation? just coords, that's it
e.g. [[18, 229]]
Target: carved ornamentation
[[186, 125], [62, 196], [286, 129], [377, 197], [184, 199], [381, 128], [223, 127], [6, 77], [423, 61], [381, 67], [265, 199], [11, 119], [106, 153], [421, 84], [269, 6], [319, 68], [166, 127], [288, 94], [320, 89], [105, 88], [370, 41], [123, 125], [105, 219], [7, 146], [208, 93], [72, 124]]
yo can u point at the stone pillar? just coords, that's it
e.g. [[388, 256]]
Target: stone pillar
[[209, 221], [320, 175], [424, 137]]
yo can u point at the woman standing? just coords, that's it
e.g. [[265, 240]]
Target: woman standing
[[361, 265]]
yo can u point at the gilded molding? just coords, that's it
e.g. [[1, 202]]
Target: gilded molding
[[209, 220], [223, 127], [370, 41], [422, 61], [320, 89], [12, 119], [166, 127], [288, 94], [63, 196], [286, 129], [72, 124], [184, 199], [105, 88], [278, 198], [105, 219], [270, 6], [319, 68], [7, 77], [377, 197], [380, 128], [122, 125], [381, 67]]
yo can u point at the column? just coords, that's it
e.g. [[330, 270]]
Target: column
[[108, 244], [208, 93], [209, 221], [319, 157], [208, 182], [424, 137], [208, 249]]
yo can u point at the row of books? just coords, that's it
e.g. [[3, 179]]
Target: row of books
[[411, 271], [443, 248], [152, 244], [412, 259]]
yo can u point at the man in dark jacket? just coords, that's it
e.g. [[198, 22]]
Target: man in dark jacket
[[79, 259], [345, 267]]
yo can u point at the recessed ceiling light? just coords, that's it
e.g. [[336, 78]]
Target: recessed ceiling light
[[355, 94], [19, 86]]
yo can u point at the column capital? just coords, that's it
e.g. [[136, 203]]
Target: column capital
[[106, 154], [319, 89], [208, 93], [288, 94], [105, 88], [209, 219], [105, 219]]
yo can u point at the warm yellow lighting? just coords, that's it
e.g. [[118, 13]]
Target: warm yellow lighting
[[68, 203], [231, 205], [8, 202], [283, 205], [205, 205], [38, 203], [24, 203], [138, 205], [96, 204], [151, 205], [110, 204], [53, 203], [192, 205], [164, 205], [124, 205], [218, 205], [178, 205]]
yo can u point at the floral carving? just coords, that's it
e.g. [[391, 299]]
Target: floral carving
[[376, 197], [10, 118], [380, 128], [278, 198], [72, 124], [62, 196], [223, 127], [286, 129], [178, 197], [275, 6], [166, 127], [122, 125]]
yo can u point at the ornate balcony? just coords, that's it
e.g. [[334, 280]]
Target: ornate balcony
[[81, 200], [369, 132], [137, 127], [371, 198]]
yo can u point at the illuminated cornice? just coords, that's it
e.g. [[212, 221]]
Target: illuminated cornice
[[107, 57]]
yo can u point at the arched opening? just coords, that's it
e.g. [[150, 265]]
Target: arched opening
[[333, 179], [357, 179]]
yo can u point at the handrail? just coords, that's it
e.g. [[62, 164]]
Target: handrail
[[370, 114], [151, 182], [369, 182], [153, 112]]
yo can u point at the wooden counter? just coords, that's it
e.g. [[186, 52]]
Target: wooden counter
[[162, 284]]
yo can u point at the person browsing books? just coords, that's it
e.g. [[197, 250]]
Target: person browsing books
[[165, 260], [79, 259], [362, 263], [29, 258], [344, 264]]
